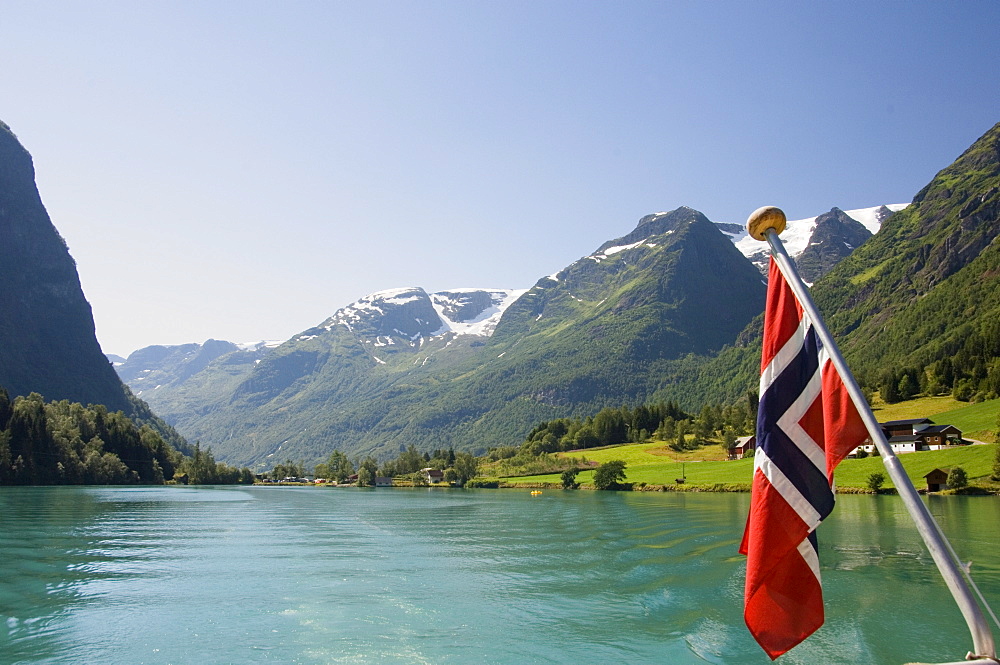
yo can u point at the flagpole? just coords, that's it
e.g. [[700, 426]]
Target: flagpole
[[765, 224]]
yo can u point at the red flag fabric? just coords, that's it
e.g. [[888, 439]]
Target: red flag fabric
[[806, 424]]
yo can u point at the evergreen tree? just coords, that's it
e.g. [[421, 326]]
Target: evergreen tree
[[667, 429], [682, 443], [6, 409], [366, 472], [908, 386], [890, 388]]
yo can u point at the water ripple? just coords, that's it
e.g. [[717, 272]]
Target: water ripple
[[264, 575]]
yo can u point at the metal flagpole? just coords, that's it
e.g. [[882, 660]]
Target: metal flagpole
[[765, 224]]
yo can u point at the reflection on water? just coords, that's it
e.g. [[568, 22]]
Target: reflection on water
[[268, 575]]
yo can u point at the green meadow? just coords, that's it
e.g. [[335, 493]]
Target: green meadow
[[655, 464], [643, 465]]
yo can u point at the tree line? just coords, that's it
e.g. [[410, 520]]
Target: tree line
[[660, 422], [664, 421], [458, 468], [966, 366], [63, 443]]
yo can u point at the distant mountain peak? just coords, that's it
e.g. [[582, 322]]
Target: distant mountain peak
[[656, 224], [798, 233], [835, 235], [673, 216], [394, 313]]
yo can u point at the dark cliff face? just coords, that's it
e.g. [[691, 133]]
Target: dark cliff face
[[47, 340]]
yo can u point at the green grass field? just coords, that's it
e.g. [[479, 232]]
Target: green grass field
[[644, 465]]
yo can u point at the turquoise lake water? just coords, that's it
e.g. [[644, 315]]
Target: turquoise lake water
[[174, 575]]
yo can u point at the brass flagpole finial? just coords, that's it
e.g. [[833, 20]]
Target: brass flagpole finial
[[765, 218]]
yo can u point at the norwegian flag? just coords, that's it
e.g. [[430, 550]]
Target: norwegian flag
[[806, 424]]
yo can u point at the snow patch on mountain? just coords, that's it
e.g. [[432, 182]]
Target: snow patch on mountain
[[611, 251], [450, 304], [620, 248], [462, 311], [871, 218], [257, 346]]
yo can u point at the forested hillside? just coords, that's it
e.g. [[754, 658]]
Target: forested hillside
[[63, 443], [917, 308]]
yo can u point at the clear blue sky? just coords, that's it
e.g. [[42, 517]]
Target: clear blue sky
[[241, 170]]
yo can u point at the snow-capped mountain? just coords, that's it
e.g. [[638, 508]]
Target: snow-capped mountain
[[411, 315], [476, 367], [395, 318], [800, 234]]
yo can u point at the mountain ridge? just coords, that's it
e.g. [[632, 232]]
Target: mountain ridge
[[621, 306], [799, 234], [916, 308], [555, 346]]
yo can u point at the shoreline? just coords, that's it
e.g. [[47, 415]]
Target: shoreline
[[718, 488]]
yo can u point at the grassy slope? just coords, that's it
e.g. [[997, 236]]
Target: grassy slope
[[655, 464], [977, 421]]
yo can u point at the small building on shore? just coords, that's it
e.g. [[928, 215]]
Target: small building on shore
[[744, 444], [433, 475], [937, 480]]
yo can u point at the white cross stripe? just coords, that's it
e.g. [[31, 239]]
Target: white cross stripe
[[808, 553], [805, 510], [785, 355], [790, 425]]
